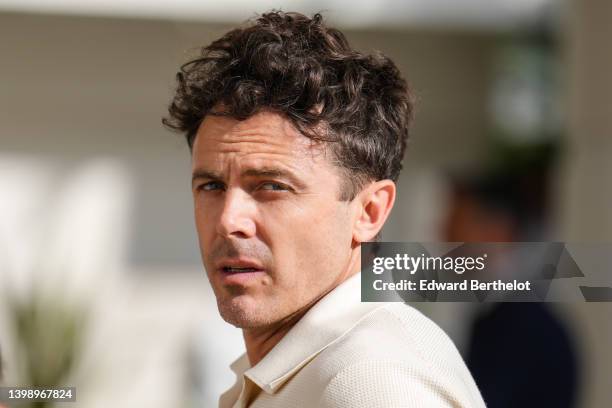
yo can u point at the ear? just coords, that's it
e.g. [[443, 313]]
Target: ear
[[374, 206]]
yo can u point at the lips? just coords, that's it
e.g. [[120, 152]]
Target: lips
[[232, 266], [229, 269], [240, 272]]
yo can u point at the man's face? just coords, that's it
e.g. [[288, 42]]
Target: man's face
[[273, 235]]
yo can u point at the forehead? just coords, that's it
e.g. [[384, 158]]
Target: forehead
[[264, 137]]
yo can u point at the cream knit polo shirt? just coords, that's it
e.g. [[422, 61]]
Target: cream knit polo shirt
[[344, 353]]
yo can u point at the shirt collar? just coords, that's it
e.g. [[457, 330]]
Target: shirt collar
[[329, 319]]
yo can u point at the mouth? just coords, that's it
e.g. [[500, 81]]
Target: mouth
[[239, 265], [231, 269], [239, 271]]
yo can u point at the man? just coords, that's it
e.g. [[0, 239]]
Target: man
[[297, 141], [535, 370]]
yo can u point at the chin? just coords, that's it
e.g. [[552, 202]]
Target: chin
[[244, 312]]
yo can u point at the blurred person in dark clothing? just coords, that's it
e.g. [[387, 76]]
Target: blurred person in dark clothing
[[520, 354]]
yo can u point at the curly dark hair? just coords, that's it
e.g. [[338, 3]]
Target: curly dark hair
[[299, 67]]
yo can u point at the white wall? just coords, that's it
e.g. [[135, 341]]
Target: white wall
[[585, 190]]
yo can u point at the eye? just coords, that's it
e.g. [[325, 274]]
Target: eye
[[211, 186], [270, 186]]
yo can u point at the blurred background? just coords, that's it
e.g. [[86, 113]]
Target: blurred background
[[101, 285]]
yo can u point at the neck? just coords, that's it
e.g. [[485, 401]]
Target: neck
[[259, 341]]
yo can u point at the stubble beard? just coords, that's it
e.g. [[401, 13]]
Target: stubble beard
[[244, 313]]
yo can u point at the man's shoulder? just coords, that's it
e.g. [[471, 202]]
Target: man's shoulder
[[392, 355], [393, 331]]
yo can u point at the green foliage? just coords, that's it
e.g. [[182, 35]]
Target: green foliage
[[48, 333]]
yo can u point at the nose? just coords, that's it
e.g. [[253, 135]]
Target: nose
[[237, 215]]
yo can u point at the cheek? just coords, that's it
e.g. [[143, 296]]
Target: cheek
[[204, 223], [315, 244]]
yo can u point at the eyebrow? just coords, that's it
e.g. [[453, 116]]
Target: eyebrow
[[204, 174], [272, 172]]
